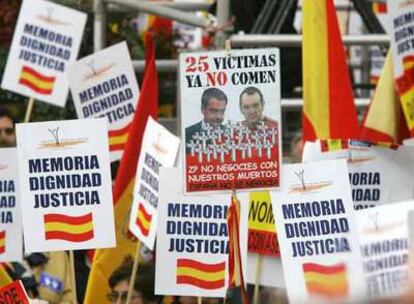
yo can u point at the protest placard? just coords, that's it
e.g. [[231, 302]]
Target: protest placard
[[317, 234], [11, 242], [14, 293], [159, 149], [193, 240], [104, 85], [402, 46], [383, 235], [46, 41], [230, 119], [65, 183], [372, 170]]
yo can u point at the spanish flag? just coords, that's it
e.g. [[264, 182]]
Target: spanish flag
[[330, 145], [106, 260], [236, 281], [3, 241], [143, 220], [384, 120], [199, 274], [68, 228], [327, 281], [118, 138], [328, 110], [35, 81], [405, 88]]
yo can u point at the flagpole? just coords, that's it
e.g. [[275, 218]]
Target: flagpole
[[134, 274], [199, 300], [72, 270], [257, 279], [29, 109]]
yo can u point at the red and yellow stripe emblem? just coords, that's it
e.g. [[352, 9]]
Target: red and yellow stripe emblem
[[143, 220], [36, 81], [118, 138], [202, 275], [3, 241], [68, 228], [327, 281]]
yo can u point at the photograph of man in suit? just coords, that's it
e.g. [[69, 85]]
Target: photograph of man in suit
[[213, 106], [252, 106]]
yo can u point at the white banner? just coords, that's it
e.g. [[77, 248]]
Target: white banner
[[230, 119], [104, 85], [317, 234], [65, 183], [46, 41], [11, 242], [192, 244], [159, 149]]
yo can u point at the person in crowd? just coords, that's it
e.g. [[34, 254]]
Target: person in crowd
[[7, 126], [213, 107], [143, 292], [296, 148], [251, 104]]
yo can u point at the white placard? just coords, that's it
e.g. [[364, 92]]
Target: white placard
[[192, 240], [159, 149], [230, 120], [104, 85], [317, 234], [46, 41], [11, 243], [65, 183], [383, 235]]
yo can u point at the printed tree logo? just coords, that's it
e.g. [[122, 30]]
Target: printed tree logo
[[301, 177], [55, 134], [91, 65], [374, 219]]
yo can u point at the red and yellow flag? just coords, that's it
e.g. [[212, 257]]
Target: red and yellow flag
[[333, 144], [36, 81], [3, 241], [379, 8], [143, 220], [328, 109], [68, 228], [384, 120], [235, 262], [328, 281], [106, 260], [200, 274], [118, 138]]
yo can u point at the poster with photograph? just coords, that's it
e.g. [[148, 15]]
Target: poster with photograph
[[230, 119]]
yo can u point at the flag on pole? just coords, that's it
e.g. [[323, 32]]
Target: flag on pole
[[106, 260], [384, 121], [328, 109], [236, 292]]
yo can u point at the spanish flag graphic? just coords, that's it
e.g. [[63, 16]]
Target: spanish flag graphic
[[68, 228], [3, 241], [118, 138], [143, 220], [199, 274], [327, 281], [35, 81]]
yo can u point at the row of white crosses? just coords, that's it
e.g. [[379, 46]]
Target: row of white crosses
[[229, 138]]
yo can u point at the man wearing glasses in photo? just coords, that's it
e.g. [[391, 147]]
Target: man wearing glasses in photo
[[7, 134]]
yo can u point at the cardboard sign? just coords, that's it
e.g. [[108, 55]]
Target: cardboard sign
[[317, 234], [14, 293], [262, 230], [230, 119], [159, 149], [104, 85], [193, 240], [65, 184], [402, 46], [383, 235], [372, 170], [11, 243], [46, 41]]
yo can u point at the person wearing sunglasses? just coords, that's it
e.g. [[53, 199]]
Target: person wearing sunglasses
[[143, 292], [7, 135]]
